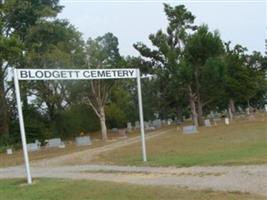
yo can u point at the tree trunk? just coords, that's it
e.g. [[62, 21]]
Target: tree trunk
[[199, 103], [232, 106], [4, 116], [193, 106], [230, 114], [103, 124], [200, 112], [180, 113]]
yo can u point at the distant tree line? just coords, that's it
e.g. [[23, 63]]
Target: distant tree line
[[195, 72]]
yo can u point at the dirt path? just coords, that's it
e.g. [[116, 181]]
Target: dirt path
[[252, 179], [87, 155]]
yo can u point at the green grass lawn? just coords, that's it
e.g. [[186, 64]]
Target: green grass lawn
[[57, 189], [243, 142]]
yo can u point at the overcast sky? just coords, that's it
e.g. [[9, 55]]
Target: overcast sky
[[241, 22]]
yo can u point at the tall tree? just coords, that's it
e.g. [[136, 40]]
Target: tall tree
[[102, 52], [168, 52], [200, 47], [16, 17], [53, 44], [245, 76]]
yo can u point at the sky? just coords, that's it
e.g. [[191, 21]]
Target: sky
[[240, 21]]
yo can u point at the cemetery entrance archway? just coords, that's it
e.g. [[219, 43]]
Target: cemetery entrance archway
[[73, 74]]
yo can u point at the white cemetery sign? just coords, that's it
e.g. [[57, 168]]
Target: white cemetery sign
[[73, 74]]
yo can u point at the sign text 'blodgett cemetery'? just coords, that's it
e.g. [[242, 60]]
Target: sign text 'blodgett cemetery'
[[81, 74]]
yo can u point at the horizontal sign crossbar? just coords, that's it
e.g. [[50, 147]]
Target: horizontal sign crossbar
[[75, 74]]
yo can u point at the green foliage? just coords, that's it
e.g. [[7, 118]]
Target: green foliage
[[76, 119]]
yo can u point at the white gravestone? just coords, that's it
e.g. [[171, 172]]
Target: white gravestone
[[226, 120], [137, 125], [265, 106], [129, 127], [146, 125], [55, 142], [33, 147], [207, 123], [157, 123], [190, 129], [83, 141], [9, 151], [169, 121]]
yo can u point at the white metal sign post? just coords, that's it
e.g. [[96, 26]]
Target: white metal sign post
[[74, 74]]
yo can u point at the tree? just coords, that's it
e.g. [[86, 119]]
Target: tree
[[245, 76], [16, 17], [53, 44], [101, 52], [200, 47], [167, 56]]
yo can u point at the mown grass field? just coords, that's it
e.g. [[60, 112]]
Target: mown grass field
[[242, 142], [57, 189]]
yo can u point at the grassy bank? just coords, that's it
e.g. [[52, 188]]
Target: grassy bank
[[55, 189], [243, 142]]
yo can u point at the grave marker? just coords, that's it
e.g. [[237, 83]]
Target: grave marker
[[9, 151], [33, 147], [129, 127], [54, 142], [83, 141], [226, 120], [207, 123], [192, 129]]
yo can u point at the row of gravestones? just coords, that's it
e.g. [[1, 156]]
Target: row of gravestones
[[55, 143], [192, 129], [149, 125]]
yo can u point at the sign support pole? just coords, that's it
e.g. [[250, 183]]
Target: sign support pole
[[141, 115], [22, 128]]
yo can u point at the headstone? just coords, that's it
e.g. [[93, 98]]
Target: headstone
[[62, 146], [9, 151], [192, 129], [265, 106], [137, 125], [114, 130], [247, 111], [156, 123], [38, 143], [226, 120], [240, 109], [251, 118], [55, 142], [33, 147], [146, 125], [178, 122], [217, 119], [122, 133], [207, 123], [129, 127], [169, 121], [151, 128], [83, 141]]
